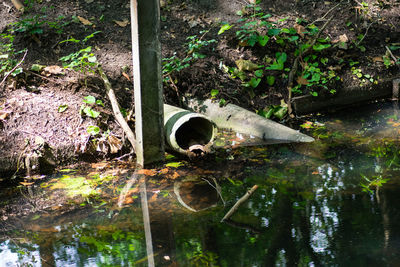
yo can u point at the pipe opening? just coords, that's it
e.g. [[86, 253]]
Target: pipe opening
[[195, 131]]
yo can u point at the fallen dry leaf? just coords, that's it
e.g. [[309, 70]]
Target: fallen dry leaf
[[300, 30], [123, 23], [128, 200], [85, 21], [342, 38], [3, 115], [114, 143], [26, 184], [174, 175], [246, 65], [377, 59], [54, 69], [147, 172], [126, 76], [163, 171], [99, 165], [301, 80]]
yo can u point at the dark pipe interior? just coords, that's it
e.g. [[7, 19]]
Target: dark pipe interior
[[196, 131]]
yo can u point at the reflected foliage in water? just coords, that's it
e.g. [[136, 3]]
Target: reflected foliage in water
[[329, 203]]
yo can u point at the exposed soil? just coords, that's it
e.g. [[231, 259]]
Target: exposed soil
[[29, 103]]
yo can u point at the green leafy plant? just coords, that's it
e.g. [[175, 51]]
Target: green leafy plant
[[279, 62], [8, 55], [359, 75], [375, 182], [277, 111], [196, 43], [172, 65], [83, 60], [35, 24], [88, 107]]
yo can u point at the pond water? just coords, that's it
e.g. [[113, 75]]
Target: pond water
[[334, 202]]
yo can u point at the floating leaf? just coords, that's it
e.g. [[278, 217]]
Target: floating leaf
[[174, 164], [115, 143], [26, 184]]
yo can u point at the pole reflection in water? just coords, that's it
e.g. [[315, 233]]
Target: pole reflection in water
[[146, 220]]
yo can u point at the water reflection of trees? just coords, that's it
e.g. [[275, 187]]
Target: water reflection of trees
[[314, 215]]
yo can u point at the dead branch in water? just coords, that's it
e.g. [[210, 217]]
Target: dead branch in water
[[239, 202]]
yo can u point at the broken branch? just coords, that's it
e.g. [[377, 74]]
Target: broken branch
[[16, 66], [239, 202], [115, 107]]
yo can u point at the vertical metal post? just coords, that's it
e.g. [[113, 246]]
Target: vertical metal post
[[146, 56]]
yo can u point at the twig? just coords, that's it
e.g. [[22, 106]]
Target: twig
[[391, 54], [123, 156], [124, 192], [115, 107], [175, 88], [242, 226], [365, 34], [216, 187], [43, 77], [323, 17], [15, 67], [239, 202], [296, 63]]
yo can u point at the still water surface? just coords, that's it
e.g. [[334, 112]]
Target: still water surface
[[334, 202]]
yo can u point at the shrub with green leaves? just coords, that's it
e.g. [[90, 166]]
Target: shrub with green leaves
[[193, 49]]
